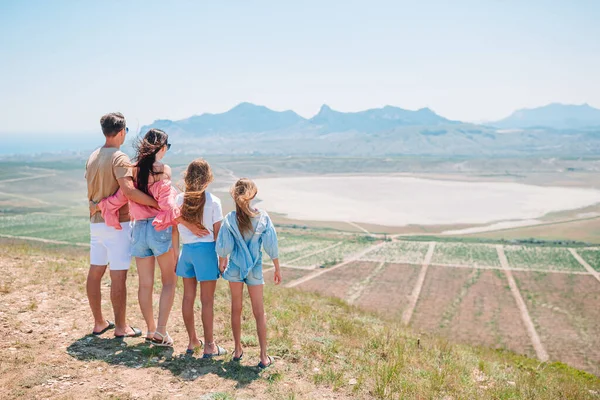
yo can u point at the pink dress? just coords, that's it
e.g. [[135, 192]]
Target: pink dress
[[165, 216]]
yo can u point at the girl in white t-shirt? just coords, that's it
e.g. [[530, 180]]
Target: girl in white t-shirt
[[198, 260]]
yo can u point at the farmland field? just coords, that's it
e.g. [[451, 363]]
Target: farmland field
[[401, 252], [288, 274], [592, 257], [565, 311], [472, 306], [389, 290], [541, 258], [477, 255], [72, 229], [338, 253], [292, 246], [339, 282]]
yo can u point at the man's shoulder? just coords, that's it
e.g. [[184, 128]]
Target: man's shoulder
[[119, 155], [94, 155]]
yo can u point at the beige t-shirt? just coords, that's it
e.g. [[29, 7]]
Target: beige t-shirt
[[103, 168]]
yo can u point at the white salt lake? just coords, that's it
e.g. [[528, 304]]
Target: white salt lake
[[401, 201]]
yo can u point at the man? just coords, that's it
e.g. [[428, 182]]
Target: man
[[107, 170]]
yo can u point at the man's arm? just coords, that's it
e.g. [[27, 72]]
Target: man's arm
[[135, 195]]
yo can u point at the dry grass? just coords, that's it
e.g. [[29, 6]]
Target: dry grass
[[324, 348]]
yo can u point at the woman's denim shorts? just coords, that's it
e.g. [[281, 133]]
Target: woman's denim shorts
[[146, 241]]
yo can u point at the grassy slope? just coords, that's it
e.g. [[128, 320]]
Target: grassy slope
[[321, 345]]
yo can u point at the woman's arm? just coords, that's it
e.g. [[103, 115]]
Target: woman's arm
[[110, 206], [168, 210]]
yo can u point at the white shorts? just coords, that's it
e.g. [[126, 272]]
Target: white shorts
[[109, 246]]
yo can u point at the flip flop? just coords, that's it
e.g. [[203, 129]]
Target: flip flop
[[263, 366], [220, 352], [110, 326], [136, 333], [238, 359]]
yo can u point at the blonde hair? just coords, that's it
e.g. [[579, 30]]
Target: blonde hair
[[243, 192], [197, 177]]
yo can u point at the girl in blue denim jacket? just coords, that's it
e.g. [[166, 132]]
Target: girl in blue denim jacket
[[243, 233]]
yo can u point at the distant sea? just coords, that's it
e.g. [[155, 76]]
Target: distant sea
[[25, 144]]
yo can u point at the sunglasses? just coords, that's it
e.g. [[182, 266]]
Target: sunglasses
[[126, 130], [168, 146]]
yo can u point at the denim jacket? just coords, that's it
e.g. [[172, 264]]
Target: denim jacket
[[246, 255]]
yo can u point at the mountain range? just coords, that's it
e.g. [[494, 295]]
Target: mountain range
[[555, 129]]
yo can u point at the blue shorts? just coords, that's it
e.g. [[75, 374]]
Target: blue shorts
[[254, 278], [199, 260], [146, 241]]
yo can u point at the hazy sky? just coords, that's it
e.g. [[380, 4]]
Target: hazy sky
[[65, 63]]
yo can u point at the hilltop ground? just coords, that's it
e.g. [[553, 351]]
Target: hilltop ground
[[323, 348]]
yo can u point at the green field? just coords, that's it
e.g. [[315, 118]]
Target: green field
[[591, 256], [541, 258], [339, 253], [399, 252], [479, 255]]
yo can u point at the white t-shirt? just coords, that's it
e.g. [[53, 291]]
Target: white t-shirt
[[213, 213]]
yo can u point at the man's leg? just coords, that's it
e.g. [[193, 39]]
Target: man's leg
[[119, 255], [118, 297], [94, 294], [98, 261]]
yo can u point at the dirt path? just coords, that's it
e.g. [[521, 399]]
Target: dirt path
[[49, 241], [585, 264], [358, 289], [325, 270], [414, 297], [358, 227], [533, 335], [313, 253]]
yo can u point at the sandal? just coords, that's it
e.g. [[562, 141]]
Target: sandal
[[238, 359], [165, 341], [220, 352], [110, 326], [263, 366], [149, 337], [190, 352], [136, 333]]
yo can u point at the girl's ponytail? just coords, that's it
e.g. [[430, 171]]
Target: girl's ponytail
[[243, 192], [197, 178]]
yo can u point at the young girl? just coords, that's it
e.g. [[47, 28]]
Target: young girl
[[198, 261], [243, 233], [151, 238]]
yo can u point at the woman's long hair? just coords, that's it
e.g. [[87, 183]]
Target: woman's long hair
[[197, 178], [146, 149], [243, 192]]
